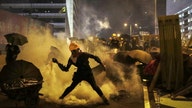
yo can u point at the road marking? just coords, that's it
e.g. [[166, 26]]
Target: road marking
[[146, 97]]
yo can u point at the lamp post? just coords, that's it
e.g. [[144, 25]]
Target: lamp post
[[131, 31], [130, 28], [155, 17]]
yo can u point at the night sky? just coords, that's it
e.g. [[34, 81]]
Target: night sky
[[117, 12]]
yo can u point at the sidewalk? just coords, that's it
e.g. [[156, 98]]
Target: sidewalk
[[162, 99]]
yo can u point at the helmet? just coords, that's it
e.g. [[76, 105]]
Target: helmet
[[73, 46]]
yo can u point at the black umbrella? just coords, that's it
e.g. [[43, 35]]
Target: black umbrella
[[130, 57], [16, 38], [20, 69], [140, 55]]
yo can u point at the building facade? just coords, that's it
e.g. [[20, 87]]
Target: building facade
[[48, 11], [183, 8]]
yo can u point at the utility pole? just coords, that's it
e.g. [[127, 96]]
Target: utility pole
[[155, 17], [130, 29]]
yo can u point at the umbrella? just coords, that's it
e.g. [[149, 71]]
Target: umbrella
[[140, 55], [124, 57], [20, 69], [16, 39], [154, 50]]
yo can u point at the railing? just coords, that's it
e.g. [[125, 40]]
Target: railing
[[58, 25], [32, 5], [44, 15]]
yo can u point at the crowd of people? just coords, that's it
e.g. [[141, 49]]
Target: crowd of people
[[131, 43]]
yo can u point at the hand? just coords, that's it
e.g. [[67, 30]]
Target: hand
[[103, 67], [54, 60]]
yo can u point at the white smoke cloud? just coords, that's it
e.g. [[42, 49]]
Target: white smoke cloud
[[38, 51], [92, 23], [42, 46], [103, 24]]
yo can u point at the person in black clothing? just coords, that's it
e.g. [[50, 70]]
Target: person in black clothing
[[11, 52], [84, 71]]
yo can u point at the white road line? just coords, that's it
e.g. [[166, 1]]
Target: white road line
[[146, 97]]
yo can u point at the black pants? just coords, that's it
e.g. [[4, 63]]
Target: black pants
[[76, 80]]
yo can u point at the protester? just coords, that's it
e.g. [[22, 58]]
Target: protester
[[11, 52], [84, 71]]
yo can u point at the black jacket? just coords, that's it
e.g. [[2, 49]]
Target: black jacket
[[82, 63]]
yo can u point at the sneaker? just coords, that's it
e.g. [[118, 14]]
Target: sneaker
[[61, 97], [105, 100]]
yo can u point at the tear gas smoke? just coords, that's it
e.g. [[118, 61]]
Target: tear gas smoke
[[92, 23], [118, 12], [41, 47]]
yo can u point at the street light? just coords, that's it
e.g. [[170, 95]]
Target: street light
[[130, 28]]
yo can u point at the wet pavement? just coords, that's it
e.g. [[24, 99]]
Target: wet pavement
[[121, 102], [149, 100]]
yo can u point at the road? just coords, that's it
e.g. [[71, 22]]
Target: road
[[123, 101]]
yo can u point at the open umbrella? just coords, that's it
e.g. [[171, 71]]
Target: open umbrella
[[124, 57], [140, 55], [20, 69], [21, 80], [130, 57], [16, 39]]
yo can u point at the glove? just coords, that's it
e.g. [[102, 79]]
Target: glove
[[54, 60]]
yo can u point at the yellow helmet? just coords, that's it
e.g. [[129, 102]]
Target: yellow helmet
[[73, 46]]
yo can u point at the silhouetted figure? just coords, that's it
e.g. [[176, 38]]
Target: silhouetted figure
[[84, 71], [154, 42], [134, 44], [114, 43], [12, 51], [146, 45]]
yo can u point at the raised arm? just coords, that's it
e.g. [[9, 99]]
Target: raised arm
[[61, 66], [97, 59]]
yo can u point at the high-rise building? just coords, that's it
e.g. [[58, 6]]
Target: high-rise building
[[49, 11], [183, 8]]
